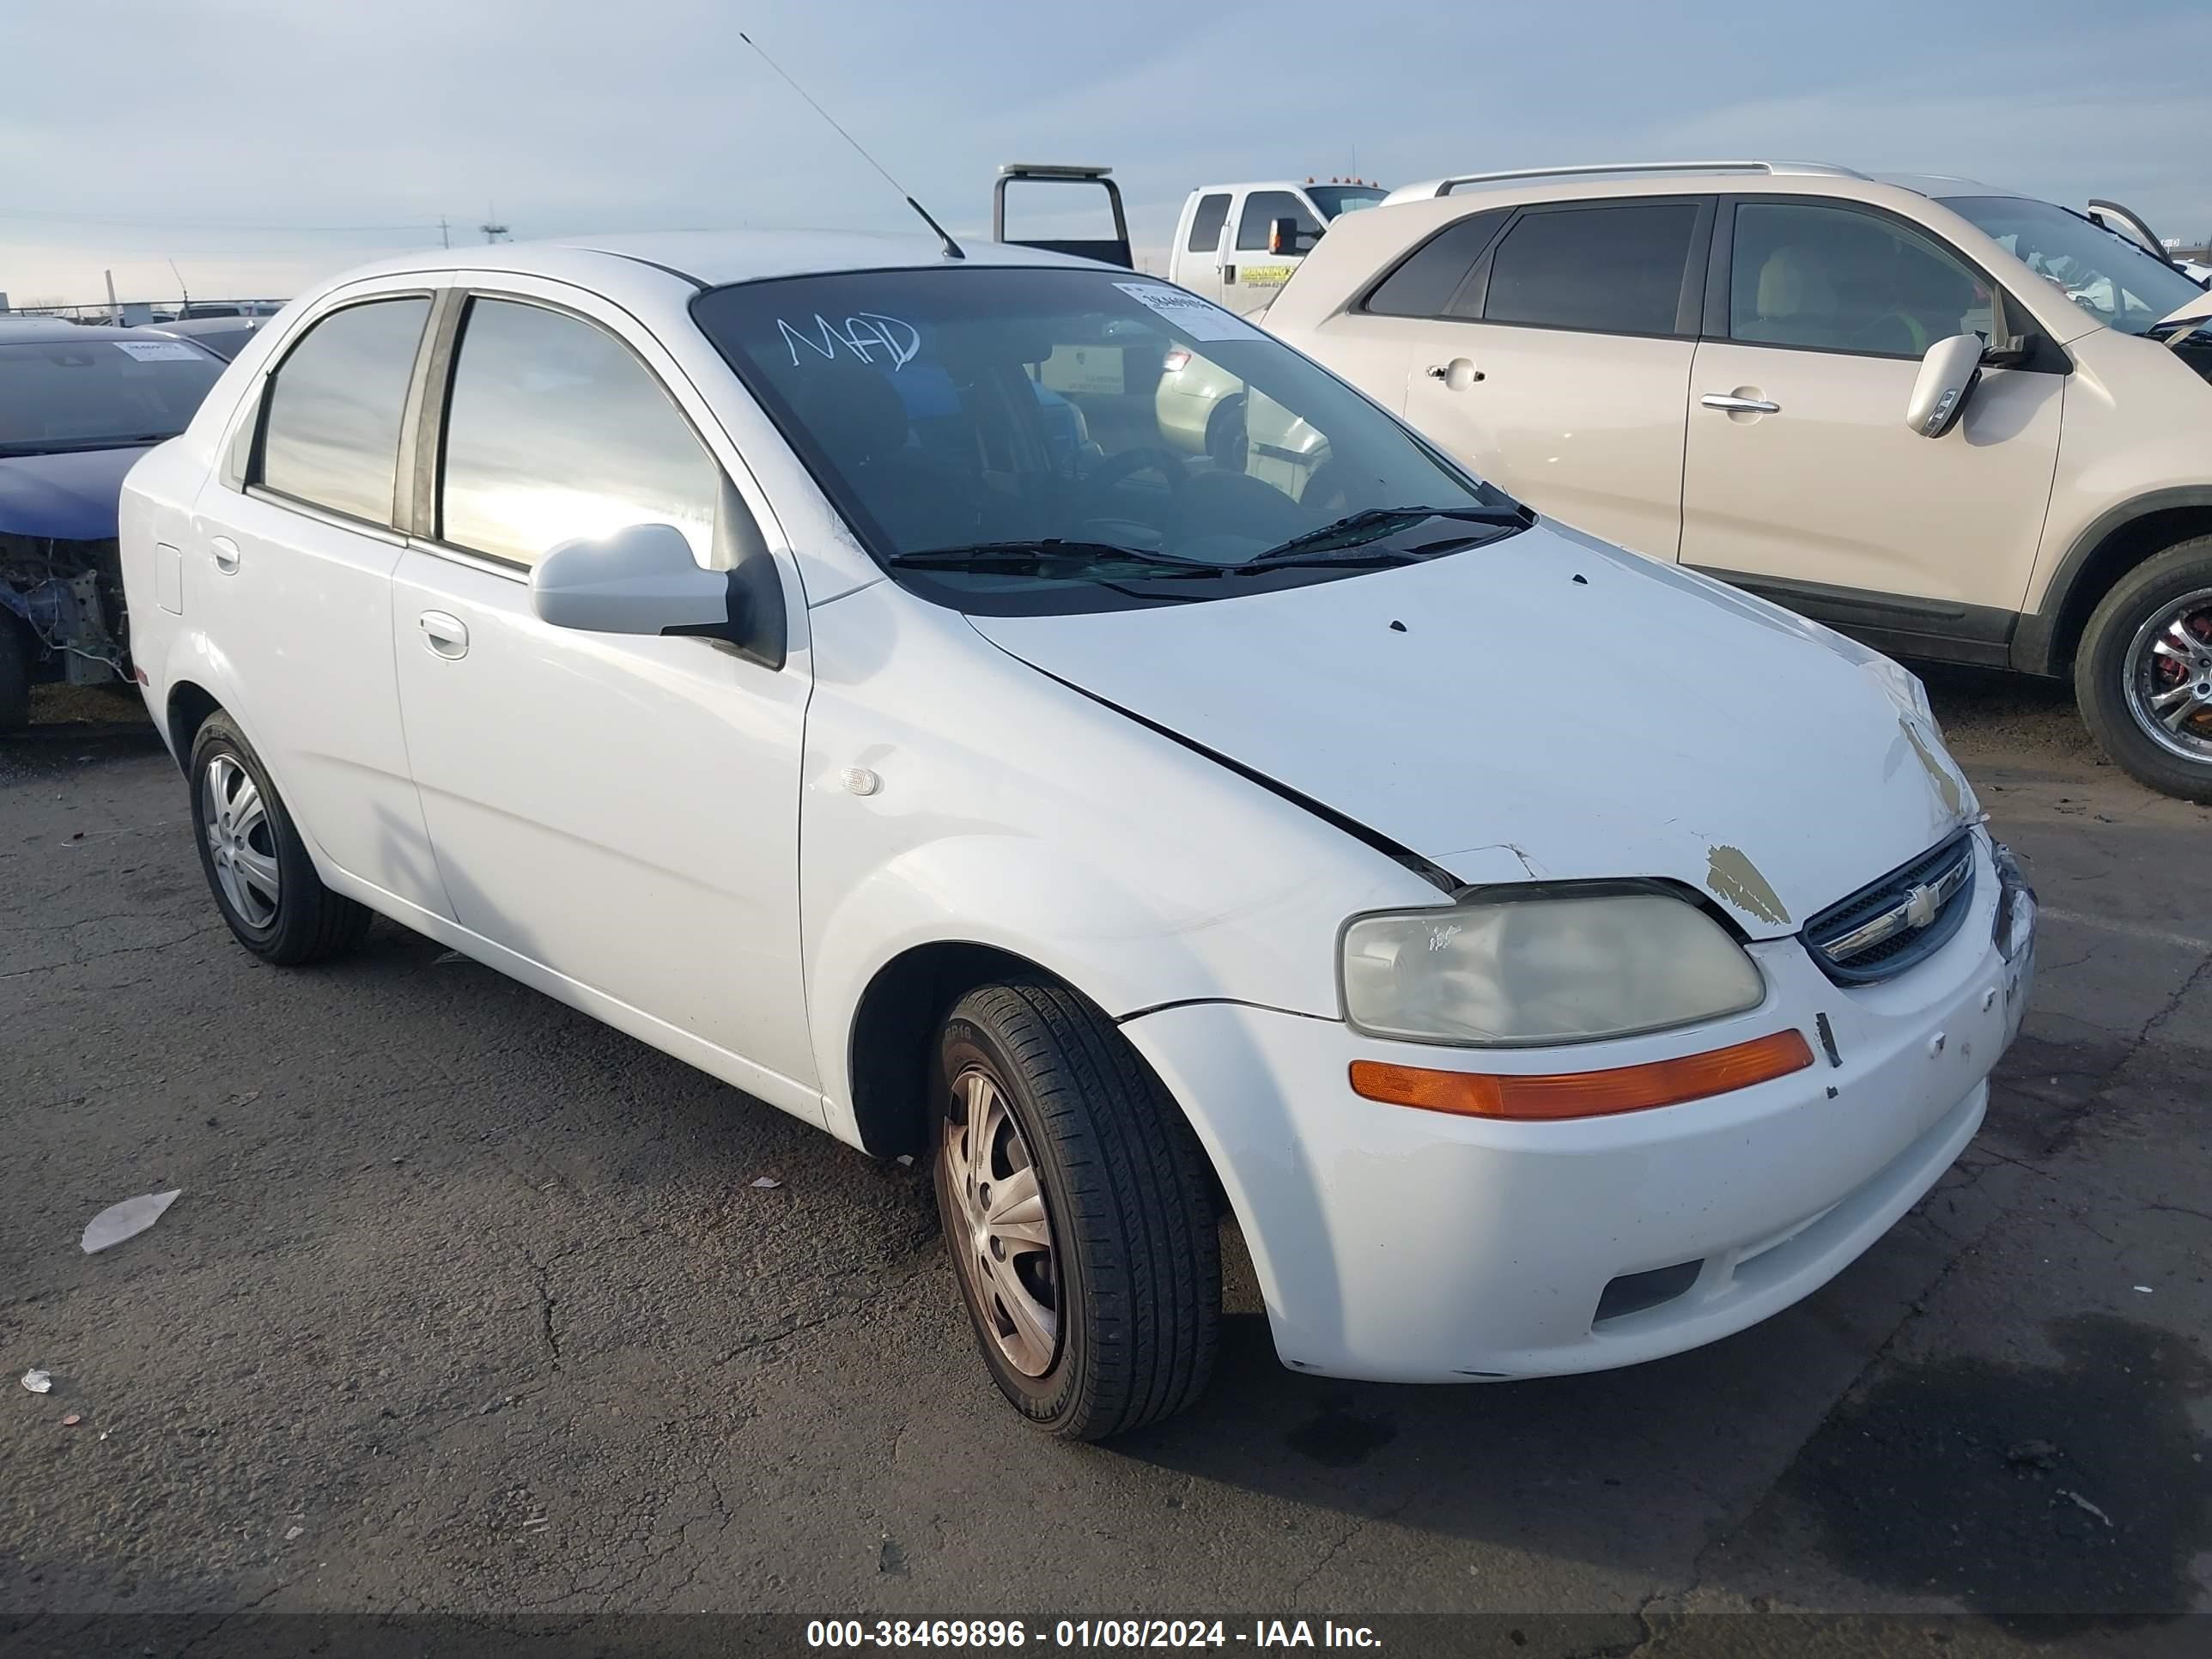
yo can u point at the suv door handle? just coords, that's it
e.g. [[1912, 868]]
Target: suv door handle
[[1735, 405], [449, 635], [226, 554]]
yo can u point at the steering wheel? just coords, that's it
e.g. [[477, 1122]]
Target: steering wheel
[[1131, 462]]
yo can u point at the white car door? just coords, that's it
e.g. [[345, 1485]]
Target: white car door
[[1253, 273], [1199, 261], [617, 815], [291, 563]]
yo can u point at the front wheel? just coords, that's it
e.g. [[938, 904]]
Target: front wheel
[[2143, 675], [1078, 1209]]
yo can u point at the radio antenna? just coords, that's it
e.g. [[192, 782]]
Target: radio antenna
[[951, 248]]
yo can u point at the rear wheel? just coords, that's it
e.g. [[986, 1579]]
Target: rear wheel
[[256, 866], [2143, 675], [1076, 1205]]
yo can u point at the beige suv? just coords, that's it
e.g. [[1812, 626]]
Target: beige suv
[[1758, 370]]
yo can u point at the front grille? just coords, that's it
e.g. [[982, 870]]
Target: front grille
[[1889, 925]]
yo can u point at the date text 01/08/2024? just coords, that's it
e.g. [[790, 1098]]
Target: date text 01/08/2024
[[1085, 1633]]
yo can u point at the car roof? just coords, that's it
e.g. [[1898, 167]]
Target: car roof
[[1286, 184], [188, 326], [712, 258], [1686, 176], [1938, 186], [15, 329]]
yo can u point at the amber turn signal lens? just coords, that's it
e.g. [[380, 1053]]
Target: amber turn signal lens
[[1585, 1094]]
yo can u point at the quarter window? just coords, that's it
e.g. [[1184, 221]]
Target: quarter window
[[1206, 224], [331, 434], [1425, 284], [1838, 280], [1614, 270], [1262, 209], [555, 431]]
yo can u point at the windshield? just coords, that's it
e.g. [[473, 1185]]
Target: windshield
[[1026, 440], [98, 393], [1335, 199], [2102, 272]]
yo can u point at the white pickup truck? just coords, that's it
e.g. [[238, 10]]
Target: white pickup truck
[[1237, 244]]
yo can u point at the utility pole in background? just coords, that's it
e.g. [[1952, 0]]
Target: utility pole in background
[[114, 310], [444, 239], [183, 293], [493, 230]]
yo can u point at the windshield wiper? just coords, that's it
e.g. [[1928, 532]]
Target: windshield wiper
[[1356, 529], [1046, 557]]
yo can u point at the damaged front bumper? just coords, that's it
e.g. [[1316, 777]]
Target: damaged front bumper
[[1399, 1245], [68, 596]]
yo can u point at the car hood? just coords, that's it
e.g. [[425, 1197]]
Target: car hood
[[1547, 707], [2199, 306], [70, 496]]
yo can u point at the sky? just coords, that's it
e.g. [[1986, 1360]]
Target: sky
[[258, 145]]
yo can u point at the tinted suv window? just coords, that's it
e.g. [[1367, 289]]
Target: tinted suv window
[[1206, 224], [332, 435], [1423, 285], [1608, 269], [1841, 280], [553, 431], [1262, 208]]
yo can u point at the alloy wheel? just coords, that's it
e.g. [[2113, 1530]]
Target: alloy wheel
[[2169, 677]]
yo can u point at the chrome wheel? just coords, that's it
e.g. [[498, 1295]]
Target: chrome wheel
[[2169, 677], [1003, 1236], [241, 841]]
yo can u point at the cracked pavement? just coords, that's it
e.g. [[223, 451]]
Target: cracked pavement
[[469, 1306]]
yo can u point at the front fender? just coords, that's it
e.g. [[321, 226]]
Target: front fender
[[1118, 948]]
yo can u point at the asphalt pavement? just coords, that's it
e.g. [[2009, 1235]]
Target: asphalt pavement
[[470, 1306]]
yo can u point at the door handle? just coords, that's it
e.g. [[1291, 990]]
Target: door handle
[[226, 554], [1735, 405], [1443, 372], [448, 636]]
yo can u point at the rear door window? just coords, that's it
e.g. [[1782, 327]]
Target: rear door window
[[331, 434], [1423, 285], [1206, 224], [1612, 270]]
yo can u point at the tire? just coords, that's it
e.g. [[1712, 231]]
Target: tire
[[14, 673], [242, 838], [2111, 667], [1132, 1271]]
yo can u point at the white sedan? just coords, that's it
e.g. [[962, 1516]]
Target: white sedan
[[1551, 959]]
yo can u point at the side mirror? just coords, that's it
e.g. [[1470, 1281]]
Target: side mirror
[[639, 580], [1284, 236], [1948, 375]]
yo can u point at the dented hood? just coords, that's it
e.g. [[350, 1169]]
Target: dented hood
[[1550, 707]]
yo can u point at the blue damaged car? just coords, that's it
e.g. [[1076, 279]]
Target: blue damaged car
[[78, 406]]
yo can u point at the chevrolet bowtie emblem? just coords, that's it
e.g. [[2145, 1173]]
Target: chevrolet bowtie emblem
[[1920, 907]]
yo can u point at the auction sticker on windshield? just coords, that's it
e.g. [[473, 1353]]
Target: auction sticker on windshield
[[155, 351], [1199, 319]]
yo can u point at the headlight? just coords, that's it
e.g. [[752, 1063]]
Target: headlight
[[1544, 964]]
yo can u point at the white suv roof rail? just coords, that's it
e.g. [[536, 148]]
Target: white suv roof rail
[[1445, 187]]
